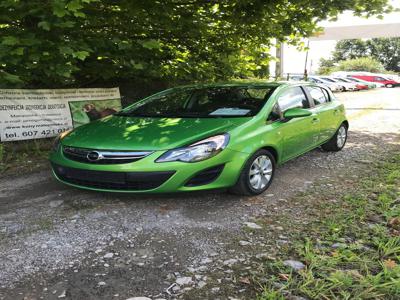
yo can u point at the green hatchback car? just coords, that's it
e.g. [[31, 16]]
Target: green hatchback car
[[201, 137]]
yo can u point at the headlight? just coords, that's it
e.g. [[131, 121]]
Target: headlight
[[201, 150], [58, 139]]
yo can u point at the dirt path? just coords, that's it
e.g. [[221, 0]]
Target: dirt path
[[58, 242]]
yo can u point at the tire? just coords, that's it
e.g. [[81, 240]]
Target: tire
[[247, 183], [337, 142], [389, 85]]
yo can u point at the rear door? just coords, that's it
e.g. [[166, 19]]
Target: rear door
[[298, 134], [326, 110]]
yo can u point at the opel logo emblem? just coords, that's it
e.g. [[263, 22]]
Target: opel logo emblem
[[93, 156]]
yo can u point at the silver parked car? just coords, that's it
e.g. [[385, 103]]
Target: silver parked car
[[346, 86], [332, 85]]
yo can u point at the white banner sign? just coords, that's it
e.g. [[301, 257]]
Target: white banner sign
[[34, 114]]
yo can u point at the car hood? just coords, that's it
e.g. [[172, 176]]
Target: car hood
[[133, 133]]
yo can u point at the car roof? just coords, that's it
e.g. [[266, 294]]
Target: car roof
[[257, 84]]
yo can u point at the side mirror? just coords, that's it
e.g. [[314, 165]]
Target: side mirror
[[296, 113]]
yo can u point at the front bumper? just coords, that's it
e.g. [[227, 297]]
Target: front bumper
[[335, 89], [147, 176]]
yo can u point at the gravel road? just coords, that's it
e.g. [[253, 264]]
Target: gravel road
[[57, 242]]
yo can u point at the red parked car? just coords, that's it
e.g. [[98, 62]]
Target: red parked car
[[373, 78]]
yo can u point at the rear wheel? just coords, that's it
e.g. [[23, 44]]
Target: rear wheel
[[337, 142], [389, 85], [256, 175]]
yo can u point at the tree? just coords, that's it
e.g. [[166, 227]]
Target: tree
[[77, 42], [366, 64], [350, 49], [385, 50], [326, 66]]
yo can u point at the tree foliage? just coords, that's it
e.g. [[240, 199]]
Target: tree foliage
[[77, 42], [326, 66], [350, 49], [387, 51], [366, 64], [384, 50]]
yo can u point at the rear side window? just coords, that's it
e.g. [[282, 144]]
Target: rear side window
[[318, 94], [328, 98], [291, 98]]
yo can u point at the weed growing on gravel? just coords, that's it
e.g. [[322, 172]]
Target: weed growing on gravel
[[45, 224], [354, 253], [23, 155]]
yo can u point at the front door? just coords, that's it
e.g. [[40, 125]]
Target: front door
[[298, 134]]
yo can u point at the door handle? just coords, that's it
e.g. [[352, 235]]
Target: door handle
[[315, 120]]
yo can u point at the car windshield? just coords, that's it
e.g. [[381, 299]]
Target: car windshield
[[315, 80], [202, 103], [328, 79]]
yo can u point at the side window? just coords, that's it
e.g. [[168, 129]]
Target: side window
[[318, 95], [291, 98], [379, 79], [328, 98]]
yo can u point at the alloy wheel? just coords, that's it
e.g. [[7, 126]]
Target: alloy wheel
[[260, 172], [341, 137]]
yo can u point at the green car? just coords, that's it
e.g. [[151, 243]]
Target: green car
[[201, 137]]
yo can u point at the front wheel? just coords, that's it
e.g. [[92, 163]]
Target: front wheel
[[389, 85], [337, 142], [257, 174]]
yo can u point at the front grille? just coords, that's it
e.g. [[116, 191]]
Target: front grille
[[206, 176], [112, 180], [103, 157]]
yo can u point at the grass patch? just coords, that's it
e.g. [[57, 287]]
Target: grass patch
[[352, 253], [21, 156], [45, 224]]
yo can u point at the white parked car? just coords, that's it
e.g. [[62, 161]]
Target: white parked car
[[356, 85], [331, 85], [346, 86]]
